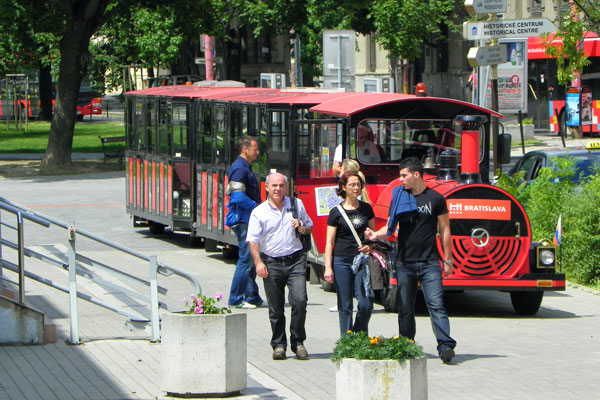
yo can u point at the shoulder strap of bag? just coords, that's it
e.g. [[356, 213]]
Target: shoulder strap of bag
[[343, 212], [294, 211]]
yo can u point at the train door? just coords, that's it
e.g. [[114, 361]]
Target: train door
[[316, 180], [212, 162], [148, 184], [180, 146], [280, 155]]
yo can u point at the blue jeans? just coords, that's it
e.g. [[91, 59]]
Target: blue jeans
[[290, 273], [430, 276], [348, 286], [243, 284]]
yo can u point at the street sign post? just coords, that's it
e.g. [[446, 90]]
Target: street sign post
[[488, 55], [509, 28], [485, 6]]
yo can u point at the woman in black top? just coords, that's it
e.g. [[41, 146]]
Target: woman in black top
[[341, 248]]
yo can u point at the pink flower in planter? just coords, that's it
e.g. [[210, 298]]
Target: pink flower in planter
[[219, 296], [198, 310]]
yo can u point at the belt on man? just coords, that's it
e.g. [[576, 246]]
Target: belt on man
[[289, 257]]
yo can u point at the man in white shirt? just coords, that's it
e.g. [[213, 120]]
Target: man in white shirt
[[280, 261], [366, 150]]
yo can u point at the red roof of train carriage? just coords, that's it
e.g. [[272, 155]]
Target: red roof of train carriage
[[242, 94], [341, 104], [355, 103]]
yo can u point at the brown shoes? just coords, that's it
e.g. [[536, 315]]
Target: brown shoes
[[300, 350], [279, 353], [301, 353]]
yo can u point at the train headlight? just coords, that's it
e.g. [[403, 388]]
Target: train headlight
[[546, 255]]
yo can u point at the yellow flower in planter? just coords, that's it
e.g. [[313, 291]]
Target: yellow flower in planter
[[360, 346]]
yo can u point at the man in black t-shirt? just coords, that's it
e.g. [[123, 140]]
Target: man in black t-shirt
[[418, 259]]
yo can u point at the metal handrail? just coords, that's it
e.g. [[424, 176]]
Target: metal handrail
[[156, 267]]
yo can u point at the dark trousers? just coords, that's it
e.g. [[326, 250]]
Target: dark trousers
[[430, 276], [347, 286], [290, 273]]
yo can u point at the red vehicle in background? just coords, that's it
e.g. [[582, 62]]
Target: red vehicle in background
[[89, 102], [20, 97]]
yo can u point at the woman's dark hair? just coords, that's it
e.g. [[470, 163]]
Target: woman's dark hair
[[344, 181]]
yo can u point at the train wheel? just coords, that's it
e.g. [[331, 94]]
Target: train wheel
[[156, 228], [230, 252], [389, 298], [318, 271], [195, 241], [526, 303], [210, 246], [313, 277]]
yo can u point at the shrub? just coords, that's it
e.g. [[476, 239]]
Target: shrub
[[580, 250], [551, 195]]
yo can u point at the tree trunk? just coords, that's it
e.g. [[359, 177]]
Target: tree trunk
[[83, 19], [58, 152]]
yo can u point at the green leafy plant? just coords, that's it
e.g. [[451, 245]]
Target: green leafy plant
[[205, 305], [360, 346], [553, 194]]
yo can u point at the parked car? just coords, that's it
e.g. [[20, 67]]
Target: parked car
[[587, 162]]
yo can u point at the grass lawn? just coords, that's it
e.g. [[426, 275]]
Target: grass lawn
[[35, 140]]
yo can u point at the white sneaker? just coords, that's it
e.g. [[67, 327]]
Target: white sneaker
[[246, 306], [333, 309]]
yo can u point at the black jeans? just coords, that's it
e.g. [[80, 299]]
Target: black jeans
[[290, 273]]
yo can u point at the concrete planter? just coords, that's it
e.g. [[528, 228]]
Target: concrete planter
[[381, 379], [203, 355]]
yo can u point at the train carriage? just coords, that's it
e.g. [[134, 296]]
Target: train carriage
[[182, 139]]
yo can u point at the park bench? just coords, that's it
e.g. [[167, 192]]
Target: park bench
[[112, 152]]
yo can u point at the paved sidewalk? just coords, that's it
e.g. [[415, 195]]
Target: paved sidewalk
[[499, 356]]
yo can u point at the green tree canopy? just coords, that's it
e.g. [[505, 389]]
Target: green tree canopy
[[403, 26], [570, 57]]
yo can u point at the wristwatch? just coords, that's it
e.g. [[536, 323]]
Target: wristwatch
[[449, 262]]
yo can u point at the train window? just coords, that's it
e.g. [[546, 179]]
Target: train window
[[135, 128], [205, 142], [279, 147], [317, 145], [389, 141], [238, 127], [129, 120], [221, 136], [151, 120], [260, 125], [179, 127], [164, 141]]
